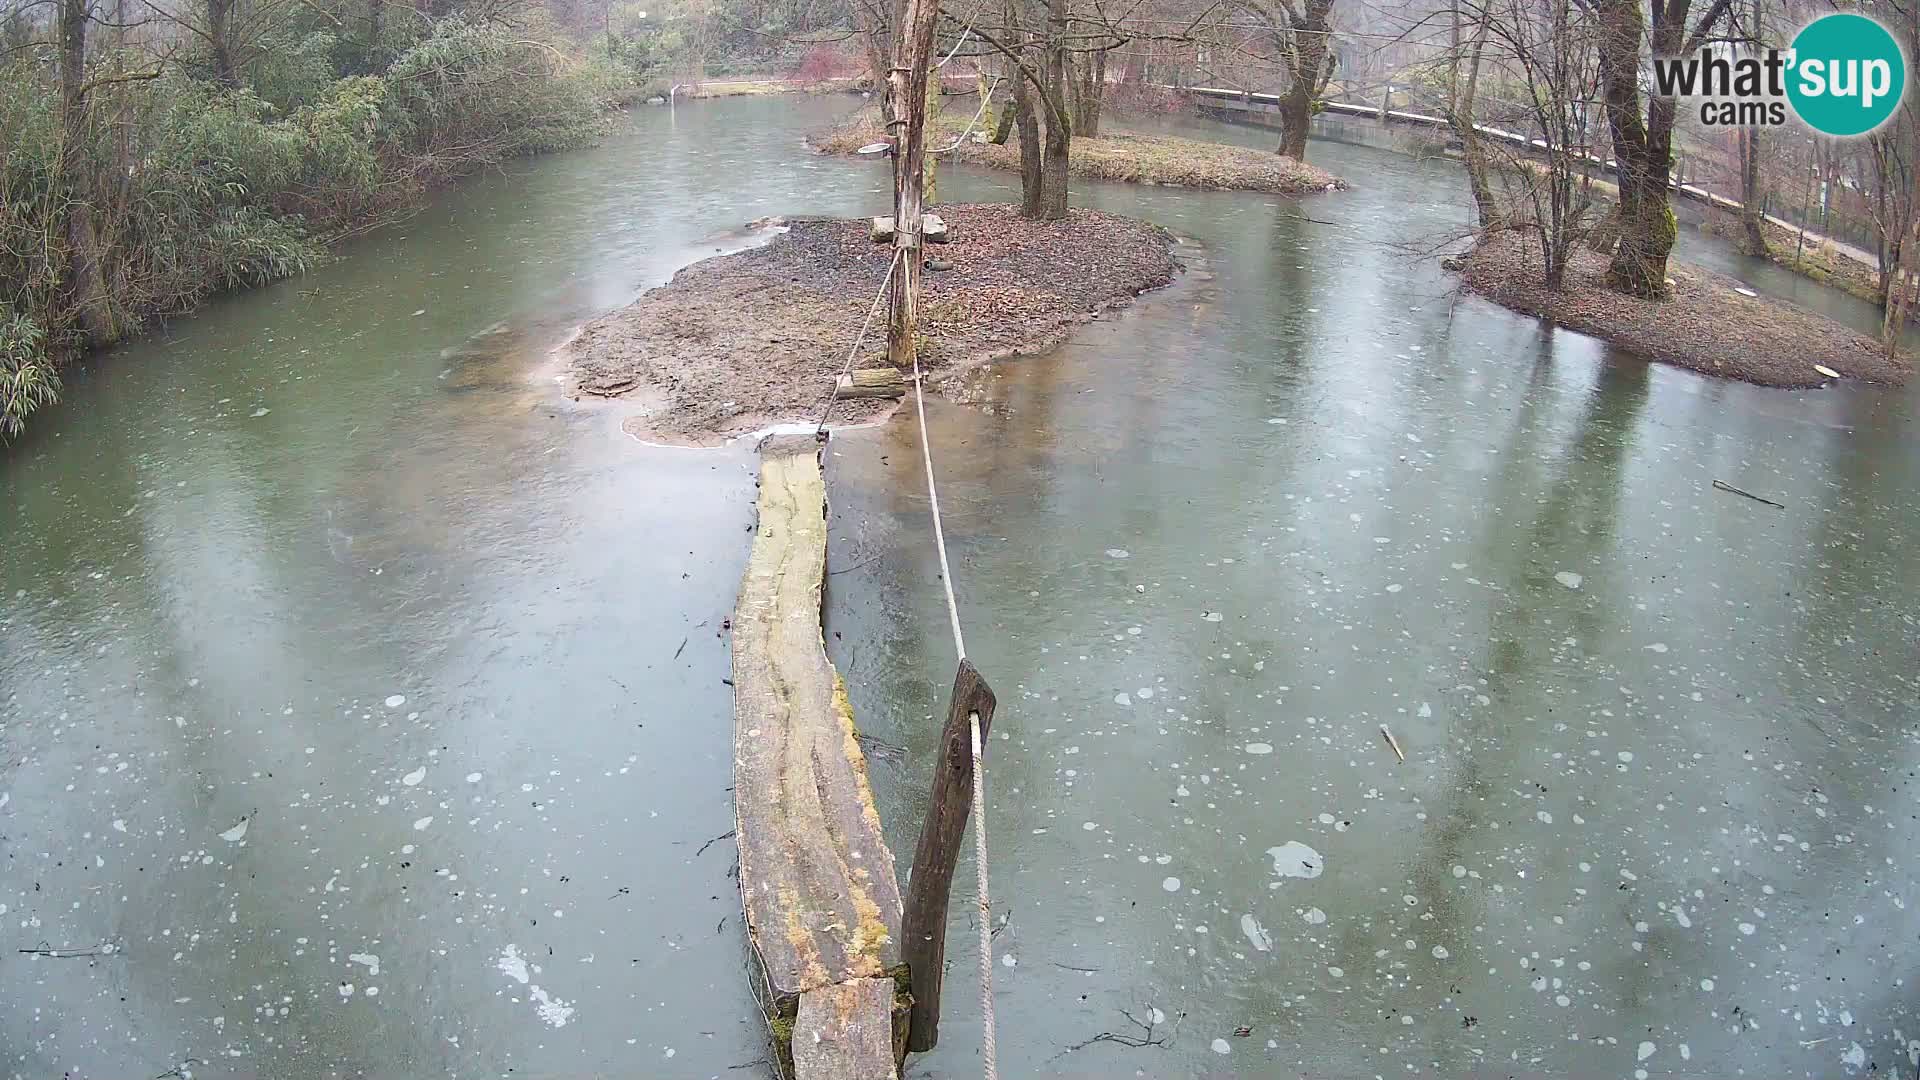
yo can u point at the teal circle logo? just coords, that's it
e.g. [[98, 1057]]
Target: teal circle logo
[[1848, 75]]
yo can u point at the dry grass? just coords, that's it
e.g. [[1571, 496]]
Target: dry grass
[[1705, 325], [722, 88], [1133, 159]]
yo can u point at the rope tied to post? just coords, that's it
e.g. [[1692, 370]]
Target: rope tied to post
[[978, 810]]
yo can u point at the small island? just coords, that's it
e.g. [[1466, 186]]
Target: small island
[[1707, 323], [1122, 157], [738, 342]]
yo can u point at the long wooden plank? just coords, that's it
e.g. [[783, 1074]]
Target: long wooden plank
[[816, 880], [844, 1032]]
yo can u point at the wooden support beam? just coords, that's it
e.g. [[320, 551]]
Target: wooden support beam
[[923, 924], [907, 103], [886, 382]]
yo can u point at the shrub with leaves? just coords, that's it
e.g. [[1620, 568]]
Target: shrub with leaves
[[27, 378]]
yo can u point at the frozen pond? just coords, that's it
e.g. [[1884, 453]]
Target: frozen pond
[[367, 701]]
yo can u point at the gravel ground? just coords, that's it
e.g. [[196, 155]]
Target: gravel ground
[[740, 341], [1706, 325]]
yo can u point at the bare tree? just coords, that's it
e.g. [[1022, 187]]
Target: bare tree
[[1300, 33], [1642, 136]]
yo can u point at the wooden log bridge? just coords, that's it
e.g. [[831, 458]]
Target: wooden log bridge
[[816, 879]]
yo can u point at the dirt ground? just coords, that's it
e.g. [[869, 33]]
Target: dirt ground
[[738, 342], [1706, 325], [1128, 158]]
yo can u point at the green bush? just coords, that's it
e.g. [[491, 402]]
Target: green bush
[[193, 188], [27, 378]]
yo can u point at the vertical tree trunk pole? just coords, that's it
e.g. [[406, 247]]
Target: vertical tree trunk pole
[[907, 98], [923, 920]]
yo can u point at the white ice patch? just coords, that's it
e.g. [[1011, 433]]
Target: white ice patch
[[1211, 616], [1295, 859], [421, 824], [1855, 1056], [1644, 1051], [1116, 553], [367, 960], [1568, 578], [511, 964], [235, 834], [1314, 916], [1221, 1046], [473, 778], [1171, 884], [1658, 646], [551, 1009], [394, 701], [1256, 934], [413, 778], [1259, 748]]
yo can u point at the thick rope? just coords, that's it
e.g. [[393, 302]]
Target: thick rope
[[988, 1050], [939, 533], [833, 388]]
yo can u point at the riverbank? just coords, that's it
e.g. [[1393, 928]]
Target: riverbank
[[230, 185], [1707, 325], [738, 342], [1127, 158]]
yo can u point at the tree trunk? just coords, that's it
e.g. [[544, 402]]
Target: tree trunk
[[1312, 67], [84, 282], [1003, 128], [1472, 152], [1059, 127], [1029, 127], [908, 85], [1090, 80], [1643, 149], [1753, 236], [1900, 283], [220, 41], [870, 26], [376, 24]]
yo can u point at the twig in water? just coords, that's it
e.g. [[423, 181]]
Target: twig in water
[[1003, 925], [179, 1071], [855, 566], [1729, 487], [1393, 744], [681, 649], [1145, 1038], [106, 948], [728, 835], [1070, 967], [748, 1064], [879, 747]]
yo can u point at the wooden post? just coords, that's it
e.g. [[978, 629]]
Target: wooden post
[[907, 101], [923, 923]]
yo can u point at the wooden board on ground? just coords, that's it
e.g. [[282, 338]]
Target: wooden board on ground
[[880, 382], [844, 1032], [816, 879], [933, 229]]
